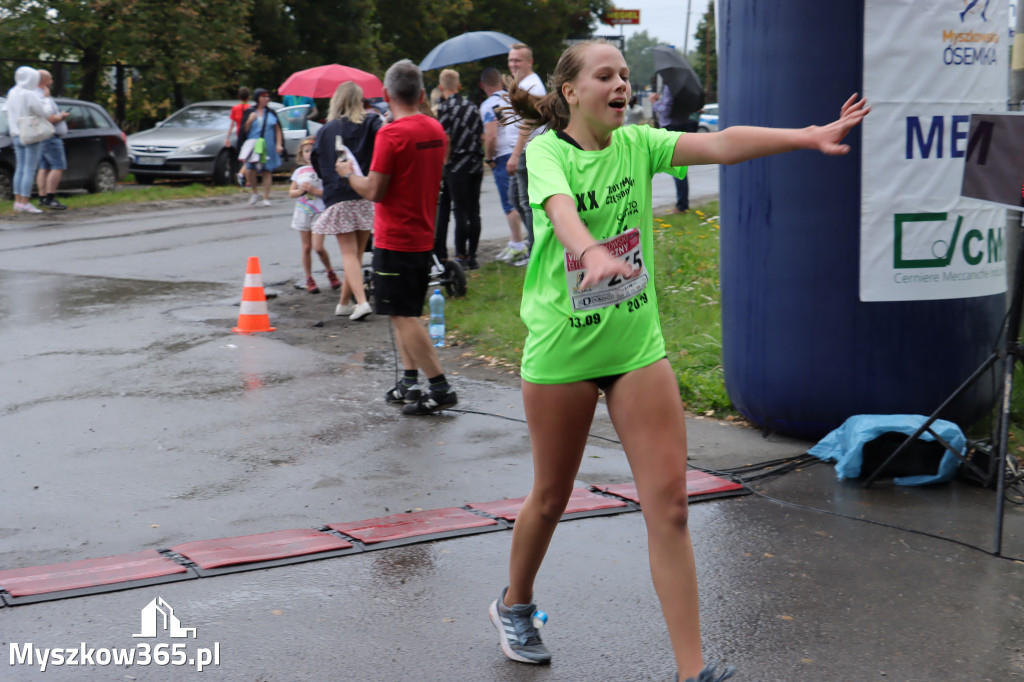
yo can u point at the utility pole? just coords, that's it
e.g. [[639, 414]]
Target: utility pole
[[707, 61], [686, 38]]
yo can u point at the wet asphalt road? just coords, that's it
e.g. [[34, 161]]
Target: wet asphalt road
[[118, 366], [131, 419]]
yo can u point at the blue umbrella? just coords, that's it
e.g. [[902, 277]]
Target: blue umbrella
[[467, 47]]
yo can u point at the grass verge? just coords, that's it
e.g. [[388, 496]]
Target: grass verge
[[137, 195], [686, 262], [686, 259]]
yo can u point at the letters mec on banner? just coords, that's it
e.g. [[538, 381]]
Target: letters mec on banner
[[928, 65]]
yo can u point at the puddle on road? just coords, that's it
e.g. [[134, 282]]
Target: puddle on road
[[395, 567], [28, 297], [368, 359]]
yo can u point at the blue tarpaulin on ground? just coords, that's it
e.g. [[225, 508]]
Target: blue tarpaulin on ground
[[845, 445]]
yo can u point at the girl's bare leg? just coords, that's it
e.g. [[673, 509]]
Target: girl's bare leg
[[352, 262], [267, 179], [648, 415], [317, 242], [559, 418], [307, 252], [346, 293]]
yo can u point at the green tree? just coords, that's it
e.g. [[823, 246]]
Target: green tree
[[291, 35], [37, 32], [543, 25], [195, 49], [179, 50], [409, 29], [193, 53], [704, 57], [639, 59]]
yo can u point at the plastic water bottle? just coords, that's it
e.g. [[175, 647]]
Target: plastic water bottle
[[437, 318]]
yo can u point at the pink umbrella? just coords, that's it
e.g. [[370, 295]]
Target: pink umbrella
[[322, 81]]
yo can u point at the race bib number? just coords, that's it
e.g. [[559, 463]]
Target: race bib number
[[615, 289]]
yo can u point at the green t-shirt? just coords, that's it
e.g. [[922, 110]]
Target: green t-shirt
[[573, 335]]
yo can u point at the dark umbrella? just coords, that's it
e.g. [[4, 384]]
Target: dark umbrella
[[679, 76], [467, 47]]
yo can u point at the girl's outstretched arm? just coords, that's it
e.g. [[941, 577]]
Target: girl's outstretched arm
[[576, 238], [742, 143]]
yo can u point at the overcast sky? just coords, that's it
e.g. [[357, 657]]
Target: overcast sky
[[662, 19]]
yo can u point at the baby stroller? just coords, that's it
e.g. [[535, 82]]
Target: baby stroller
[[449, 275]]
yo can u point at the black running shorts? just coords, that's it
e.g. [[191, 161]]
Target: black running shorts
[[400, 281]]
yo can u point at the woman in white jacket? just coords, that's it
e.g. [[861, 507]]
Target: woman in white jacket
[[24, 100]]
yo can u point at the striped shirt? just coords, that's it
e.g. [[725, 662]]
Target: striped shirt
[[461, 121]]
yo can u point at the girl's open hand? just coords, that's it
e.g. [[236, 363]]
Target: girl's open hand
[[828, 138], [601, 265]]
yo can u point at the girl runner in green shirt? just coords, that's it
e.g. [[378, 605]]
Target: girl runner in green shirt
[[591, 315]]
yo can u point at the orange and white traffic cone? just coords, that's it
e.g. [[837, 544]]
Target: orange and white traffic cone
[[252, 316]]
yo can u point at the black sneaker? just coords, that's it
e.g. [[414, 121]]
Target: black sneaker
[[710, 674], [53, 204], [519, 639], [471, 264], [434, 401], [402, 394]]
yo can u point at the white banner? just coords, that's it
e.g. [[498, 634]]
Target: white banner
[[928, 65]]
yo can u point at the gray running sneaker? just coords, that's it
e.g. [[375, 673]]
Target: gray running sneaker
[[710, 674], [520, 641]]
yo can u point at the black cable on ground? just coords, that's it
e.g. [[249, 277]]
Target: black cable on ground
[[767, 469], [394, 349], [780, 467], [883, 524], [523, 421]]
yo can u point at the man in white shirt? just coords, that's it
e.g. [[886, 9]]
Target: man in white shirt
[[52, 161], [499, 141], [520, 63]]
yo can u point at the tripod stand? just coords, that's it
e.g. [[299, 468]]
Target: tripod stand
[[1009, 352]]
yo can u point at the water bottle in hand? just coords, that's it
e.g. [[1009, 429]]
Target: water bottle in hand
[[437, 318]]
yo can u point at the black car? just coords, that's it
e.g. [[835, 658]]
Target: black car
[[95, 147]]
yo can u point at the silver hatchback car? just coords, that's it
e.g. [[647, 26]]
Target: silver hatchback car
[[190, 143]]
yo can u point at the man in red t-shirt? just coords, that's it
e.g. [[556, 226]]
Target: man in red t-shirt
[[236, 116], [404, 180]]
